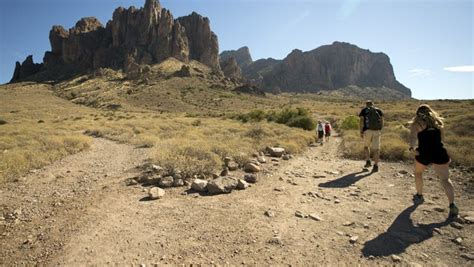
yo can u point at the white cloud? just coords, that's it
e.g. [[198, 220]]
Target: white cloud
[[420, 73], [469, 68]]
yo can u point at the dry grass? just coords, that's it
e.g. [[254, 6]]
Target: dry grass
[[185, 121], [199, 150]]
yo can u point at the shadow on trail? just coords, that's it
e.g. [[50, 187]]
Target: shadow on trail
[[346, 180], [400, 235]]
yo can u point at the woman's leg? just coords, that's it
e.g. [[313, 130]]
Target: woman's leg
[[419, 169], [443, 173]]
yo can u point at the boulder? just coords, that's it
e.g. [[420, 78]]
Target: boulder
[[167, 181], [276, 151], [261, 159], [156, 193], [224, 172], [199, 185], [222, 185], [286, 157], [251, 167], [178, 182], [242, 184], [251, 178], [232, 165]]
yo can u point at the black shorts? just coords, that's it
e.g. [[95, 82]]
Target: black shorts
[[328, 134], [320, 134], [436, 157]]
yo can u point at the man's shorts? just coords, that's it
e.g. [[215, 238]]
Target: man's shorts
[[372, 139]]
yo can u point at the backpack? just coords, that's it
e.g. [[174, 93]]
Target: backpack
[[373, 119]]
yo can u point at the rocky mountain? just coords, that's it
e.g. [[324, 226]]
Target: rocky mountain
[[242, 56], [249, 70], [147, 35], [331, 67], [231, 68]]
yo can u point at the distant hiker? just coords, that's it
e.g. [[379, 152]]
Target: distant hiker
[[327, 130], [371, 123], [427, 128], [320, 129]]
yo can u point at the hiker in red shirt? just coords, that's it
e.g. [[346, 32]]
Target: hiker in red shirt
[[327, 130]]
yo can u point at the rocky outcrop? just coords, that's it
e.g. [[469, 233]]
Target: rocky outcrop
[[330, 67], [249, 89], [149, 35], [231, 69], [203, 43], [242, 56], [254, 72], [25, 69]]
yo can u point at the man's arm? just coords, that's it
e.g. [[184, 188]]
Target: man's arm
[[361, 125]]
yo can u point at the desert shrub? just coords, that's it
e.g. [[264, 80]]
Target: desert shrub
[[2, 122], [189, 157], [303, 122], [460, 149], [256, 133], [462, 125], [296, 118], [350, 123], [196, 123], [74, 144]]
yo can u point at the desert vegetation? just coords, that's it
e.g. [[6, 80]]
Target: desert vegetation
[[38, 128]]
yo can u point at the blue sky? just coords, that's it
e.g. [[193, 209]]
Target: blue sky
[[430, 43]]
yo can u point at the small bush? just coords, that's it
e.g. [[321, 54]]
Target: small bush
[[297, 118], [190, 158], [2, 122], [350, 123]]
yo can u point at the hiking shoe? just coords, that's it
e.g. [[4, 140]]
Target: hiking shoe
[[418, 199], [453, 210], [367, 164], [375, 168]]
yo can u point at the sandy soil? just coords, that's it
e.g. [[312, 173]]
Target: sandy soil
[[79, 211]]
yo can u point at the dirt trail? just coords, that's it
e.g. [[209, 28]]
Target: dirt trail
[[83, 216]]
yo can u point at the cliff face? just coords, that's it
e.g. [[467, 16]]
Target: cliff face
[[249, 70], [330, 67], [231, 69], [149, 35], [242, 56]]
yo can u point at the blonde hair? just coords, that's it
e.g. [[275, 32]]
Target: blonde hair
[[426, 116]]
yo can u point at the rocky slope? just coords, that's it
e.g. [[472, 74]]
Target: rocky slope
[[331, 67], [242, 56], [147, 35], [326, 68]]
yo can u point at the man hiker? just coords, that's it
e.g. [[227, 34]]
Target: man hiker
[[371, 123], [320, 130]]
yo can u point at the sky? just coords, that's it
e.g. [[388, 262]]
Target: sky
[[430, 43]]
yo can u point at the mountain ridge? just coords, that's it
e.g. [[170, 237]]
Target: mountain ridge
[[328, 67]]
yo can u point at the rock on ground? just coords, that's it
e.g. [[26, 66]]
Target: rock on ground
[[199, 185], [251, 178], [276, 151], [156, 193], [222, 185]]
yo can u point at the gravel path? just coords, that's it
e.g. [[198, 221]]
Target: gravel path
[[79, 211]]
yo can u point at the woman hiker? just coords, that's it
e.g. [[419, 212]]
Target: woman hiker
[[427, 128]]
